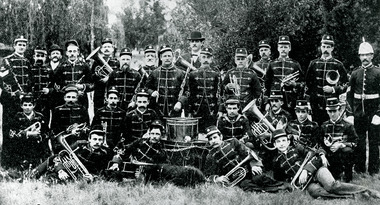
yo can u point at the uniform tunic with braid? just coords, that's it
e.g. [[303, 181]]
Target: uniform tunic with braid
[[249, 85], [115, 118], [263, 64], [235, 127], [203, 101], [125, 82], [309, 130], [42, 77], [20, 66], [167, 81], [316, 80], [137, 124], [277, 71]]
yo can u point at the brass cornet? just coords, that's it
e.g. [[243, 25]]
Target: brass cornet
[[70, 160], [32, 128]]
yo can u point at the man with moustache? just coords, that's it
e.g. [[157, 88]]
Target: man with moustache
[[280, 68], [204, 85], [196, 43], [261, 67], [74, 71], [138, 120], [100, 82], [55, 56], [19, 65], [150, 60], [363, 95], [125, 79], [111, 117], [70, 113], [276, 115], [42, 78], [319, 88], [165, 84]]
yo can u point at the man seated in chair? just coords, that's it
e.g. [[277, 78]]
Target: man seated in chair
[[92, 154]]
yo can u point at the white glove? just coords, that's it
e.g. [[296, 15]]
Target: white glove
[[375, 120], [62, 175], [177, 106], [114, 167]]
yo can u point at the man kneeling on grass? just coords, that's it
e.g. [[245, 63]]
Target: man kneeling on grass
[[289, 160], [92, 154], [225, 156]]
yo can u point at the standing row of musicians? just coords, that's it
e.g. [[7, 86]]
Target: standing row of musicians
[[201, 92]]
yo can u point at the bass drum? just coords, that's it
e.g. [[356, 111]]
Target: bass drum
[[177, 128]]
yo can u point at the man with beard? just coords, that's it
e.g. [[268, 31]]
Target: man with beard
[[19, 65], [139, 119], [68, 115], [165, 85], [111, 117], [55, 56], [196, 43], [74, 71], [317, 79], [261, 67], [204, 85], [150, 60], [125, 79], [364, 98], [283, 67], [103, 59], [241, 82], [42, 77]]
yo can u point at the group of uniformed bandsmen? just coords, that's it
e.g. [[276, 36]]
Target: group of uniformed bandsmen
[[288, 112]]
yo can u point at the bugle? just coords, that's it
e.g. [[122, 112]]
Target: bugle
[[238, 173], [32, 128], [332, 77], [70, 160], [295, 181]]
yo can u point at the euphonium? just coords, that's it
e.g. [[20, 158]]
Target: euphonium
[[238, 173], [32, 128], [295, 179], [332, 77], [70, 160]]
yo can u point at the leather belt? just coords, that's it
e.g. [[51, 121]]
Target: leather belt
[[366, 96]]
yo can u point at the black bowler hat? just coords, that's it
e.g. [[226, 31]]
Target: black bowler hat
[[283, 40], [107, 40], [55, 47], [264, 43], [149, 49], [196, 35], [164, 48], [71, 42], [327, 39], [125, 51]]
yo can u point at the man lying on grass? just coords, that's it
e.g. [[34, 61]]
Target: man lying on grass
[[289, 160], [225, 156]]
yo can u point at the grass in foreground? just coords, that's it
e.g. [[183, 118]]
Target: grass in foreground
[[101, 192]]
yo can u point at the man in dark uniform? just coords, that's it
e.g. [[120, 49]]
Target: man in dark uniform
[[165, 85], [74, 71], [69, 114], [42, 81], [150, 60], [138, 120], [364, 98], [319, 84], [19, 65], [111, 117], [196, 43], [103, 60], [204, 88], [241, 81], [339, 141], [281, 68], [261, 67], [276, 115], [125, 79]]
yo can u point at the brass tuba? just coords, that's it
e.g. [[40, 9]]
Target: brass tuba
[[70, 160], [238, 173], [332, 77]]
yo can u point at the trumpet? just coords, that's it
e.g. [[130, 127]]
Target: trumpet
[[70, 160], [32, 128], [291, 77], [234, 81], [332, 77], [295, 179], [259, 129], [238, 173]]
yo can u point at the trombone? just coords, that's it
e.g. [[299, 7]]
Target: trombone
[[291, 77]]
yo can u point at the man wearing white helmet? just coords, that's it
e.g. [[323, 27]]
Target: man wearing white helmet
[[364, 97]]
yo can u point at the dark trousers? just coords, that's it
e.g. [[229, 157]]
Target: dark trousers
[[362, 125]]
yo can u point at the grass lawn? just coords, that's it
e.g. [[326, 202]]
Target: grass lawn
[[101, 192]]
